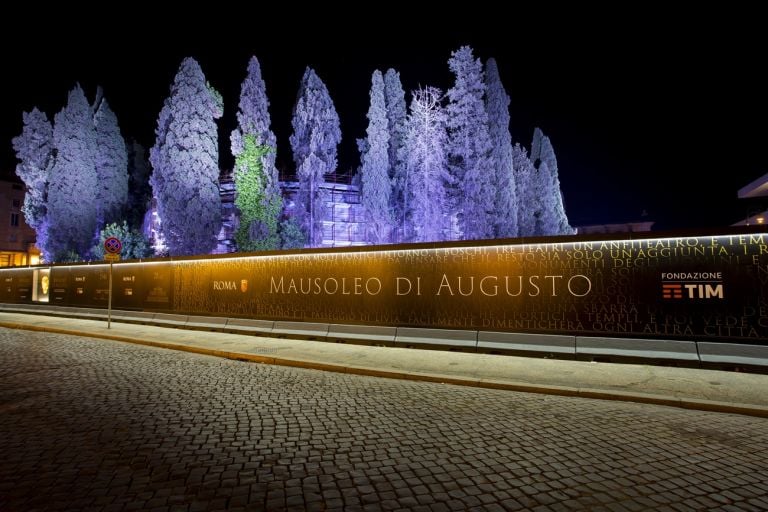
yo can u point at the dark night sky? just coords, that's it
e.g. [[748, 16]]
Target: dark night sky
[[648, 112]]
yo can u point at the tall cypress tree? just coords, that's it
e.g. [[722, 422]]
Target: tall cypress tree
[[185, 177], [376, 185], [505, 203], [256, 180], [546, 221], [34, 149], [111, 167], [553, 220], [316, 136], [470, 146], [426, 208], [394, 96], [71, 202], [527, 192]]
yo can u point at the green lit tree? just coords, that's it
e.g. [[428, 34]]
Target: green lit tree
[[254, 146], [135, 245], [259, 213]]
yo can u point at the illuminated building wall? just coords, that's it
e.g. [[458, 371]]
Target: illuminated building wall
[[17, 239]]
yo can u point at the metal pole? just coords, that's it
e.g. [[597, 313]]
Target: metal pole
[[109, 300]]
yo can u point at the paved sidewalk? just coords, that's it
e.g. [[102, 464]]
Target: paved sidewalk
[[713, 390]]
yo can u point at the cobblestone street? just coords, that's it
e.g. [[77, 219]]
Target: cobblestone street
[[99, 425]]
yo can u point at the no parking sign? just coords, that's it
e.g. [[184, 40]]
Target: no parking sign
[[113, 245]]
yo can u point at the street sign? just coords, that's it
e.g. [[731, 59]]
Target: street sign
[[113, 245], [112, 257]]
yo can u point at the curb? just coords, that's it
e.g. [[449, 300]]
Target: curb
[[685, 403]]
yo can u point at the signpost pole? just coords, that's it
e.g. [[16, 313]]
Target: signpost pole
[[109, 300], [112, 248]]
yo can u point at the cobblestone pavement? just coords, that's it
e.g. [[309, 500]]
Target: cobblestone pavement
[[99, 425]]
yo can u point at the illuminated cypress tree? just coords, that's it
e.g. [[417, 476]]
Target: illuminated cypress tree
[[376, 185], [470, 146], [185, 177], [426, 205], [316, 136], [552, 219], [503, 180], [396, 119], [111, 161], [256, 180], [34, 149], [258, 214], [71, 209], [527, 192]]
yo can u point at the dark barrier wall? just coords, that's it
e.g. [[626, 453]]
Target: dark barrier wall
[[684, 287]]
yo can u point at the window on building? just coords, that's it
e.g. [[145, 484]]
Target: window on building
[[15, 219], [16, 186], [16, 203]]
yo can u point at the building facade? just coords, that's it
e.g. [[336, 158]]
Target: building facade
[[17, 239], [755, 195]]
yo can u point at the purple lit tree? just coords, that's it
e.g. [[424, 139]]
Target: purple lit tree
[[376, 185], [552, 219], [426, 208], [34, 149], [316, 135], [505, 204], [71, 203], [185, 177], [528, 195], [396, 119], [547, 221], [469, 146], [260, 205], [111, 161]]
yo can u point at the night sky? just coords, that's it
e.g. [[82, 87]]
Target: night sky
[[662, 113]]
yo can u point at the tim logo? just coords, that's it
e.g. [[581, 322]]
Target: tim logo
[[692, 285], [672, 291]]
